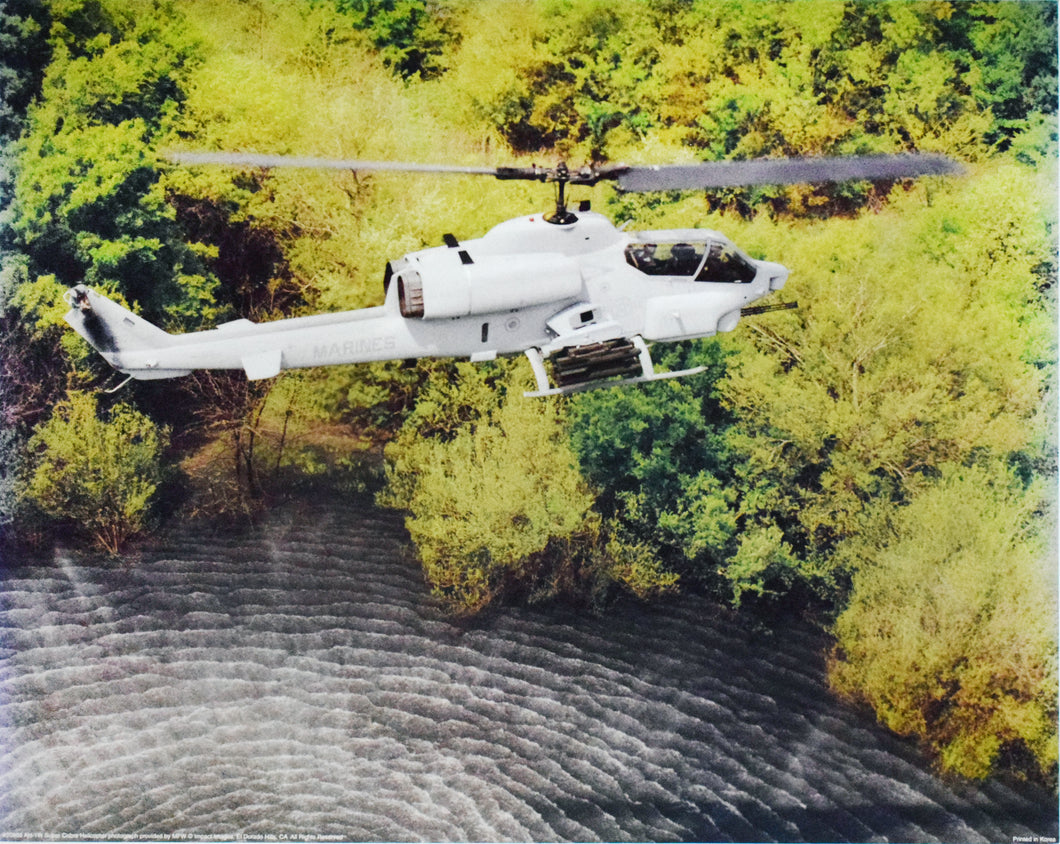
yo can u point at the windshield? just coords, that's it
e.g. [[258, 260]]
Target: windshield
[[725, 263]]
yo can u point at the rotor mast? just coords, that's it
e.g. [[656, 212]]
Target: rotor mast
[[561, 175], [561, 216]]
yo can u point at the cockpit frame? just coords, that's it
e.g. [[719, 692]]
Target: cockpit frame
[[711, 259]]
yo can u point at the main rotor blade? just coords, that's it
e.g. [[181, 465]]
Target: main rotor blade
[[783, 171], [241, 159], [705, 175]]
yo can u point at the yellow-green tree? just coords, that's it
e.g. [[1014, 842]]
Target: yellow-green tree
[[495, 503], [950, 633], [96, 473], [680, 78], [497, 506], [922, 338]]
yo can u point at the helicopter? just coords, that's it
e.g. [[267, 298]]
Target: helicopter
[[567, 287]]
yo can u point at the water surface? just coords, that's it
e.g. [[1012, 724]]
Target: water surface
[[298, 680]]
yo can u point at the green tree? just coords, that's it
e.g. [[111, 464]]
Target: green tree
[[950, 631], [88, 203], [89, 206], [96, 473], [410, 35], [659, 458], [23, 54], [1012, 50]]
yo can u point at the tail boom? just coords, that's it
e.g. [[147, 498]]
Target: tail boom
[[143, 351]]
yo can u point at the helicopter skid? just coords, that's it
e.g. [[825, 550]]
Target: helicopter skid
[[602, 384]]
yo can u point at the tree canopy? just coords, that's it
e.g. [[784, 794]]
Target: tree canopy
[[965, 565]]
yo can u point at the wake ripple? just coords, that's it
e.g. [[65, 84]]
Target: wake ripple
[[298, 680]]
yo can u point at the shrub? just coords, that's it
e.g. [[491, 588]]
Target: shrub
[[96, 473]]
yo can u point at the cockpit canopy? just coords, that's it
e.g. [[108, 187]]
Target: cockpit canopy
[[705, 260]]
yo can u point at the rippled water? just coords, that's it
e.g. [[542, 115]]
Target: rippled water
[[298, 680]]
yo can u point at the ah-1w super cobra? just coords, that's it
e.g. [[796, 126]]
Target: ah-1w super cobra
[[566, 286]]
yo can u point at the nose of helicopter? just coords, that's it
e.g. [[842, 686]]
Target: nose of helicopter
[[776, 273]]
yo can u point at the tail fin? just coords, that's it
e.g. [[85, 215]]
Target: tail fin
[[113, 330]]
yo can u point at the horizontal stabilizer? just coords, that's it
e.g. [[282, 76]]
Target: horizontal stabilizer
[[234, 324]]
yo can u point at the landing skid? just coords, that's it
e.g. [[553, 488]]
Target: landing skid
[[648, 373]]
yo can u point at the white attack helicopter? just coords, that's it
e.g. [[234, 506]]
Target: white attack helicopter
[[564, 286]]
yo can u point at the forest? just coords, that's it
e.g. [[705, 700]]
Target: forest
[[881, 459]]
